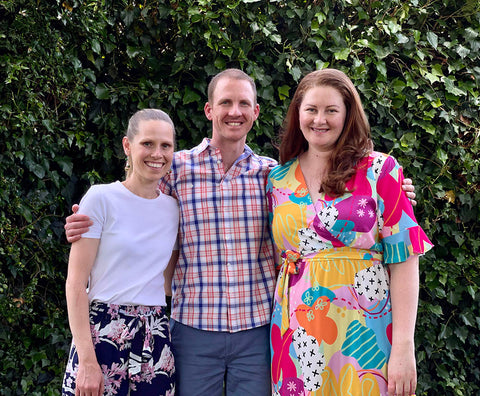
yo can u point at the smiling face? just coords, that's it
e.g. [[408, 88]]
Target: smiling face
[[322, 115], [232, 110], [150, 151]]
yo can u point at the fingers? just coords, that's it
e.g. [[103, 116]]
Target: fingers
[[401, 389], [76, 225], [409, 189], [74, 234], [410, 194]]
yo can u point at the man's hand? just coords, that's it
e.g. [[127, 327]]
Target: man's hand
[[76, 225], [409, 189]]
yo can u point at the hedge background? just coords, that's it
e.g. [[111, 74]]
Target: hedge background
[[72, 72]]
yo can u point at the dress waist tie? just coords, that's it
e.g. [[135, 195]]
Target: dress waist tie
[[291, 260]]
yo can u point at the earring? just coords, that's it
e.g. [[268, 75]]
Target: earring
[[127, 166]]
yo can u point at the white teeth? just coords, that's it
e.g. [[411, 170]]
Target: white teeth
[[234, 123], [154, 165]]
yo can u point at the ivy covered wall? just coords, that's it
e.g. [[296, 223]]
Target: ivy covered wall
[[73, 71]]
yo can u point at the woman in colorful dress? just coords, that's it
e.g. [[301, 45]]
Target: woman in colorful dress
[[116, 303], [347, 292]]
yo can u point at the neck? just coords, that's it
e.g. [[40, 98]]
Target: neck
[[317, 161], [230, 151], [146, 190]]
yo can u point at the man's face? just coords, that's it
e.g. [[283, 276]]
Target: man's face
[[232, 111]]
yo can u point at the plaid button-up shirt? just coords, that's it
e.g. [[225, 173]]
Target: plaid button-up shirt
[[225, 277]]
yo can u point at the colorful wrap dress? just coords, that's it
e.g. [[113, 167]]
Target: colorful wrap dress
[[331, 324]]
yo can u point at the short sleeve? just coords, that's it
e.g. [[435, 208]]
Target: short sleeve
[[93, 205], [165, 184], [401, 236]]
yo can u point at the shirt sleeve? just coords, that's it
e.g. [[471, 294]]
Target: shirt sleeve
[[93, 205], [270, 205], [400, 234]]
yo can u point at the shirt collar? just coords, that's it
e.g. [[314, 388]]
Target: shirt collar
[[206, 144]]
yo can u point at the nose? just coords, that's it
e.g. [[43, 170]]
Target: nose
[[320, 118], [158, 152], [235, 110]]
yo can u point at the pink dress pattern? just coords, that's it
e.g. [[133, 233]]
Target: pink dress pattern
[[331, 322]]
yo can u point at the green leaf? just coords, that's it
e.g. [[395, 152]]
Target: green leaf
[[462, 51], [436, 309], [190, 96], [132, 52], [342, 54], [432, 38], [451, 88], [102, 92], [96, 47], [283, 92]]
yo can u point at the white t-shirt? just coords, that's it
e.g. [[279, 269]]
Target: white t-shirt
[[137, 236]]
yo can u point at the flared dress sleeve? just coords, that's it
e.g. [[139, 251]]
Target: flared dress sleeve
[[399, 231]]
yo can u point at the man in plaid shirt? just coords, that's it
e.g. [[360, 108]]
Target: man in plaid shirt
[[224, 279]]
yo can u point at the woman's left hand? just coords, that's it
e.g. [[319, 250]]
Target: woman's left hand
[[409, 189], [402, 372]]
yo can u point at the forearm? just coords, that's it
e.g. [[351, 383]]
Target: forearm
[[82, 257], [79, 321], [404, 286], [404, 283]]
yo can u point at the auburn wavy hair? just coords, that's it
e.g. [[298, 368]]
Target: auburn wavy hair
[[354, 142]]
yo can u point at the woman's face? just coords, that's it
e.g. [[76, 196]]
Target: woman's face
[[322, 114], [151, 150]]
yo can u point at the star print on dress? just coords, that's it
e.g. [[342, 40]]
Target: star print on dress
[[309, 241], [312, 361], [291, 387], [372, 282]]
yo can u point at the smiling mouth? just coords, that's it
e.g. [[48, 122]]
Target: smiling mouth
[[234, 123], [155, 164]]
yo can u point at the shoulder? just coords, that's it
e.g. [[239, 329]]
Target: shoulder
[[187, 156], [102, 189], [98, 197], [379, 162], [381, 167], [263, 162], [279, 171], [167, 200]]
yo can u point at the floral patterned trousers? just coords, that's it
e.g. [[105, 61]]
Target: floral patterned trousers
[[133, 348]]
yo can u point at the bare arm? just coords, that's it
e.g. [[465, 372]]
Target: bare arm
[[76, 225], [82, 256], [404, 284]]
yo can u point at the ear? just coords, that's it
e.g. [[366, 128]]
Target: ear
[[208, 111], [256, 111], [126, 146]]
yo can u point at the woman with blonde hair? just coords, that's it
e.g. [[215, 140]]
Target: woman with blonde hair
[[116, 304]]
